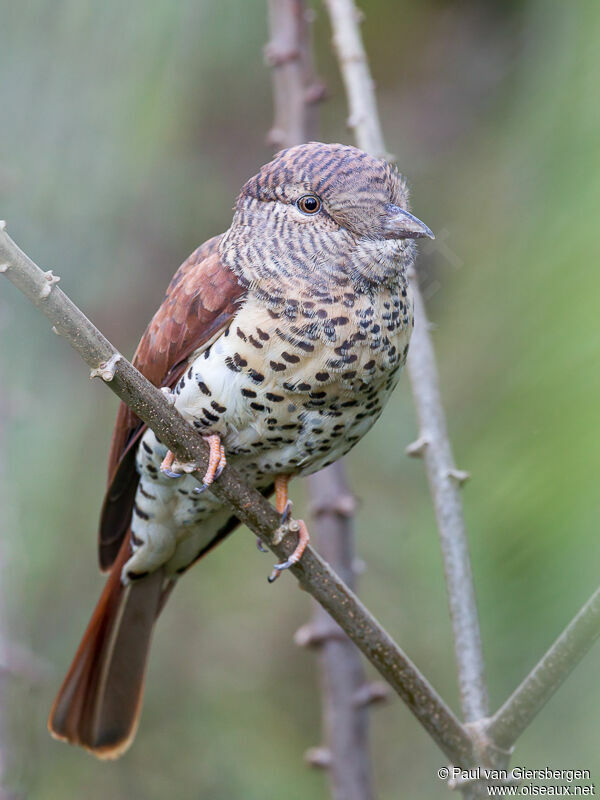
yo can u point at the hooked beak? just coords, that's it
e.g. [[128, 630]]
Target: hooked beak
[[399, 224]]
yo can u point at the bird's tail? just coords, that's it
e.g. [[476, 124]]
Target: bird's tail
[[99, 703]]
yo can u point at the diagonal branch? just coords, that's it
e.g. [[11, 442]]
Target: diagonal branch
[[150, 404], [509, 722], [364, 120]]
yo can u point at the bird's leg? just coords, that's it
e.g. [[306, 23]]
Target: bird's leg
[[283, 506]]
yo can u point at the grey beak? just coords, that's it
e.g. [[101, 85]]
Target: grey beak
[[399, 224]]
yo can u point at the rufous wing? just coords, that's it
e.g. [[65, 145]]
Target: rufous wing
[[201, 300]]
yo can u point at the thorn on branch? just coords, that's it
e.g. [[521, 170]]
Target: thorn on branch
[[460, 476], [55, 330], [355, 120], [417, 448], [106, 370], [2, 224], [315, 93], [277, 56], [314, 634], [318, 757], [374, 692], [4, 268], [52, 280]]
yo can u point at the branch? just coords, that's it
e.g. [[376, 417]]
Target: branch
[[445, 482], [346, 695], [296, 90], [442, 474], [150, 404], [509, 722]]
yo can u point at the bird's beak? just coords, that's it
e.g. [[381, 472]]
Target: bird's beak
[[399, 224]]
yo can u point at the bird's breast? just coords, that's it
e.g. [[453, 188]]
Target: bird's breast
[[292, 390]]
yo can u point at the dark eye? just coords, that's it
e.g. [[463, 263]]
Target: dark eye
[[309, 204]]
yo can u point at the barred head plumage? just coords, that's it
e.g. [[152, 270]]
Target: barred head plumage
[[330, 210]]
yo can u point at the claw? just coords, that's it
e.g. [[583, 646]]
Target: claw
[[285, 514], [260, 546], [200, 489], [293, 558], [166, 465], [222, 462]]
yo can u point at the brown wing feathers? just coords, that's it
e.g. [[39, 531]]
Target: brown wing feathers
[[200, 301], [99, 702]]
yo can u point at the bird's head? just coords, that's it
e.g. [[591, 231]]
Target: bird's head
[[326, 209]]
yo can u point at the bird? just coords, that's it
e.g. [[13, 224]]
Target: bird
[[279, 341]]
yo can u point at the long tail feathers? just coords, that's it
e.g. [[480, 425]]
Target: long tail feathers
[[99, 703]]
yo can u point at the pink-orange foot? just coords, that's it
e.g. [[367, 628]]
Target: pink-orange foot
[[217, 462], [283, 506]]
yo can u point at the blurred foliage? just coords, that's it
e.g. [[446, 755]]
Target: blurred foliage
[[127, 131]]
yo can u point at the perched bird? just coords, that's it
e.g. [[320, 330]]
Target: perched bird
[[281, 341]]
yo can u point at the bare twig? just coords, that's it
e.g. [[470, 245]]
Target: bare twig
[[296, 90], [509, 722], [433, 439], [150, 404], [445, 482], [345, 754], [346, 696]]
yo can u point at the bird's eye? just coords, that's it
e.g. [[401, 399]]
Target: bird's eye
[[309, 204]]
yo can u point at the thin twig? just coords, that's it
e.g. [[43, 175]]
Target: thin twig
[[346, 695], [509, 722], [296, 90], [250, 507], [364, 120], [445, 481], [344, 690]]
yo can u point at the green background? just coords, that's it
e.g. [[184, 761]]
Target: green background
[[126, 133]]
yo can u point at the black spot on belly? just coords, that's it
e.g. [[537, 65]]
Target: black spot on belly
[[204, 388], [322, 376], [147, 447], [290, 358], [257, 406], [248, 393], [277, 366], [276, 398], [139, 513], [218, 407]]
